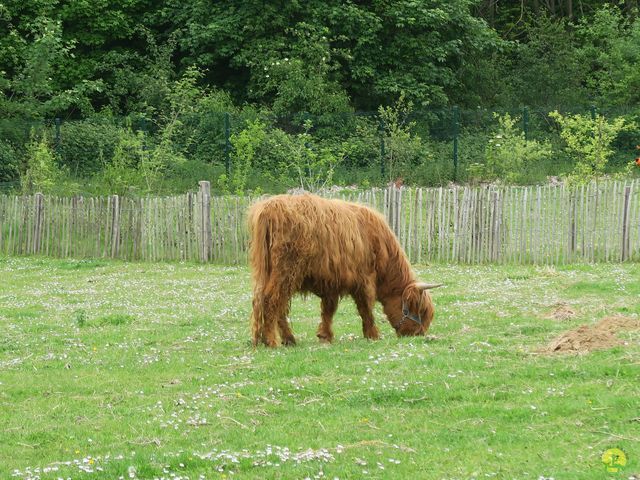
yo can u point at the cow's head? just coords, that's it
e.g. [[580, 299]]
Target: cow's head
[[412, 312]]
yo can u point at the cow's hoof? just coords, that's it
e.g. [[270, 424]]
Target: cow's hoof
[[372, 334], [325, 338], [289, 342]]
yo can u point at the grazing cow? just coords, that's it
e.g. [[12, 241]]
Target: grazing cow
[[331, 248]]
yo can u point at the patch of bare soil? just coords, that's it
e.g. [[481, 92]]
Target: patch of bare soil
[[562, 311], [592, 337]]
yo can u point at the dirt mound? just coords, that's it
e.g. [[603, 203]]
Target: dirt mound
[[592, 337], [562, 311], [618, 323]]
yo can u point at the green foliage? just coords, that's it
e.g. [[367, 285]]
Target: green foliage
[[545, 69], [303, 83], [362, 146], [30, 90], [609, 49], [245, 145], [284, 160], [122, 172], [311, 164], [114, 319], [9, 163], [85, 144], [179, 66], [402, 147], [80, 318], [42, 172], [508, 155], [138, 167], [332, 47], [589, 141]]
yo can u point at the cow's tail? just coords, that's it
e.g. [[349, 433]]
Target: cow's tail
[[259, 260]]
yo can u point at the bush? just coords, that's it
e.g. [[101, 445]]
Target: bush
[[312, 165], [42, 173], [509, 155], [403, 149], [245, 145], [589, 141], [9, 163], [121, 173], [84, 144]]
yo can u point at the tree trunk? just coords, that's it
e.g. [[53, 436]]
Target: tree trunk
[[491, 12]]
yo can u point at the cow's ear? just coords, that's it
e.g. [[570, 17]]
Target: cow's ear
[[427, 286]]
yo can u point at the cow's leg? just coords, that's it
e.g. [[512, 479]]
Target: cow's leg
[[276, 300], [287, 287], [286, 335], [257, 317], [328, 306], [270, 307], [365, 299]]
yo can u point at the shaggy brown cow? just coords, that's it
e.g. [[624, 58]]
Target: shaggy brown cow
[[332, 248]]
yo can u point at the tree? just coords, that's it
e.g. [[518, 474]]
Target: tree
[[610, 48], [371, 50]]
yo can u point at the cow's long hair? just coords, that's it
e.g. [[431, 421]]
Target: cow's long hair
[[332, 248]]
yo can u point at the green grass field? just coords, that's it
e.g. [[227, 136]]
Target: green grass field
[[130, 370]]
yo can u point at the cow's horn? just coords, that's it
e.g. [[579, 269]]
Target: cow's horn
[[427, 286]]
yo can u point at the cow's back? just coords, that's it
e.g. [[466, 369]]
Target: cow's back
[[327, 245]]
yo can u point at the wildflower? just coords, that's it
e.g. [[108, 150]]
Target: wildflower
[[638, 162]]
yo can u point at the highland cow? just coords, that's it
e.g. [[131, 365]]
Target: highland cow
[[331, 248]]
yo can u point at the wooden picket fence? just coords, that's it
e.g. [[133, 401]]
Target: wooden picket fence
[[598, 222]]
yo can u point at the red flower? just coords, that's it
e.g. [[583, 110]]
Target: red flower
[[638, 162]]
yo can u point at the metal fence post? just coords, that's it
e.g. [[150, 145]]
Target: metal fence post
[[383, 155], [227, 143], [57, 140], [455, 125], [143, 128], [525, 122]]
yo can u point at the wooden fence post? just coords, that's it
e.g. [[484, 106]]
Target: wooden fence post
[[205, 224], [625, 223], [115, 225], [495, 247], [37, 224], [572, 231]]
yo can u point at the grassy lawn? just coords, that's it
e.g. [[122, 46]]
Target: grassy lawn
[[125, 370]]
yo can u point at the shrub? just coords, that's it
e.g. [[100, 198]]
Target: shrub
[[245, 145], [362, 148], [589, 141], [509, 155], [121, 173], [42, 172], [8, 163], [84, 143], [402, 148]]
